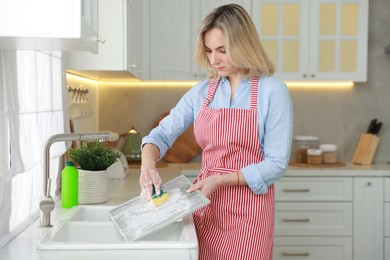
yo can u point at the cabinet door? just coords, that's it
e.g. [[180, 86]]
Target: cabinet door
[[338, 40], [112, 48], [368, 218], [171, 37], [135, 38], [283, 31], [48, 25]]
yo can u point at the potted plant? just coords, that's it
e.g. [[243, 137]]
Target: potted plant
[[93, 160]]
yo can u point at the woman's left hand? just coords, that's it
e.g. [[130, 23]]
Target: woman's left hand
[[207, 186]]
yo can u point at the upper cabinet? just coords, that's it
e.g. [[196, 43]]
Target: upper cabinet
[[120, 45], [49, 25], [314, 39], [172, 37]]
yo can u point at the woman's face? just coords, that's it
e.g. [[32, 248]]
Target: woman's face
[[214, 41]]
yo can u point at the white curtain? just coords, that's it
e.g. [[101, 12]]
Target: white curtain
[[33, 97]]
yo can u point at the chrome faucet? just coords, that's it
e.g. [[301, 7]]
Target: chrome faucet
[[47, 203]]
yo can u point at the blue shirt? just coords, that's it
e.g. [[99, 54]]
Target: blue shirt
[[275, 118]]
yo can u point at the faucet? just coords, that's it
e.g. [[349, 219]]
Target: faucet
[[47, 203]]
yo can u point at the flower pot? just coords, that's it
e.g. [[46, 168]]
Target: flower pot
[[93, 187]]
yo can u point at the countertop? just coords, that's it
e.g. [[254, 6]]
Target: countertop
[[24, 246]]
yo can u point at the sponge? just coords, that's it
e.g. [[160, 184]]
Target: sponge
[[159, 199]]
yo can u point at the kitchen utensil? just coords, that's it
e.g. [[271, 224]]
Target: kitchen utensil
[[371, 126], [377, 128], [184, 148], [132, 146], [137, 218]]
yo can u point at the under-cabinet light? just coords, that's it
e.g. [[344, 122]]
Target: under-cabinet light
[[151, 83]]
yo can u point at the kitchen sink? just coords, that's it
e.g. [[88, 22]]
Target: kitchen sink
[[88, 228]]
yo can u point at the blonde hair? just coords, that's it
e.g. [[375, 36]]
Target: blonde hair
[[242, 42]]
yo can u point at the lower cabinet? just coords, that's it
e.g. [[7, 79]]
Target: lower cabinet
[[387, 218], [312, 248], [334, 218]]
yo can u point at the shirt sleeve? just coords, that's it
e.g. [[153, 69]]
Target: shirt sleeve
[[277, 127]]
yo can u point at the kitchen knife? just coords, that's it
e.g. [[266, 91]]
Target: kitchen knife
[[371, 126], [377, 128]]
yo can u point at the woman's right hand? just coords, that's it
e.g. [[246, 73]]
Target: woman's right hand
[[149, 174]]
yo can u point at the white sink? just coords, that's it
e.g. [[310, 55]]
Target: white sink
[[89, 228]]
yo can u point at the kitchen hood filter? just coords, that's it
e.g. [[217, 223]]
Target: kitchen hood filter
[[137, 218]]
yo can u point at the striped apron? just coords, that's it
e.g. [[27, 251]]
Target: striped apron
[[237, 224]]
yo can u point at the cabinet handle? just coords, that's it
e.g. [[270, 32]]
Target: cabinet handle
[[296, 220], [296, 190], [304, 75], [369, 183], [295, 254], [313, 76], [101, 39]]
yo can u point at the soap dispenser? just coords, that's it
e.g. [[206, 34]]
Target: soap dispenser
[[70, 186]]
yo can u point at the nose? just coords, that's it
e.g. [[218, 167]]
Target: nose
[[213, 58]]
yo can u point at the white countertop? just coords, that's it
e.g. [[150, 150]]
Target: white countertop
[[24, 246]]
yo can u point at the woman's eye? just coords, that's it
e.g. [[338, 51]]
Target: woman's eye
[[222, 51], [208, 51]]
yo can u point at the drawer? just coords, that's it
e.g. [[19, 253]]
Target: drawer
[[387, 248], [313, 219], [387, 189], [312, 248], [313, 189], [387, 220]]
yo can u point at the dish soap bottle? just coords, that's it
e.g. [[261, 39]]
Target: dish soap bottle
[[70, 186]]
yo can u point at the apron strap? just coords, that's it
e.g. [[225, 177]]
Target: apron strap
[[212, 87], [254, 92]]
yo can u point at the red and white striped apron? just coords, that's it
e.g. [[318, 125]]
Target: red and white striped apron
[[238, 224]]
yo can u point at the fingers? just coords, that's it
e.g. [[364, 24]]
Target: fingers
[[148, 179]]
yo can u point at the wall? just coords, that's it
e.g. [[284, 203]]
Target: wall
[[335, 116], [88, 123]]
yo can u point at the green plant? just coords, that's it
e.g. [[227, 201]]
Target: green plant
[[93, 157]]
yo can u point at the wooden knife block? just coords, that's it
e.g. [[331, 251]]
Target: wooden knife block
[[366, 149]]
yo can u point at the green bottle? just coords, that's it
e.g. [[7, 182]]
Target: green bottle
[[70, 186]]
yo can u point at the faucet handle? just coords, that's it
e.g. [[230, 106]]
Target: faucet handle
[[47, 205]]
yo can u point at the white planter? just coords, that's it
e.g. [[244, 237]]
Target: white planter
[[93, 187]]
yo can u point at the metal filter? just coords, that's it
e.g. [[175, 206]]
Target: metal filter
[[136, 218]]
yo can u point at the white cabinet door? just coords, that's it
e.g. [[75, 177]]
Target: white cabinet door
[[172, 37], [368, 218], [315, 40], [112, 46], [49, 25], [171, 34]]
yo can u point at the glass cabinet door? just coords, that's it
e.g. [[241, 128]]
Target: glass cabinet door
[[337, 40], [282, 27]]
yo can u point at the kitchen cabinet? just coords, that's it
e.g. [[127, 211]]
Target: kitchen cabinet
[[121, 34], [387, 218], [64, 25], [314, 39], [368, 218], [332, 218], [172, 37], [313, 218]]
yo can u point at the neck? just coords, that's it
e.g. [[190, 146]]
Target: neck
[[234, 82]]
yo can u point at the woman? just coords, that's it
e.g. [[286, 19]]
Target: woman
[[243, 122]]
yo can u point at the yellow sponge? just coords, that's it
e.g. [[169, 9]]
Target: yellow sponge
[[159, 199]]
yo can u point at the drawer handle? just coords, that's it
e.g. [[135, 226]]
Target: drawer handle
[[296, 190], [296, 220], [295, 254]]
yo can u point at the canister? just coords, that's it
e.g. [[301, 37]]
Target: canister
[[329, 153], [304, 142], [314, 156]]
